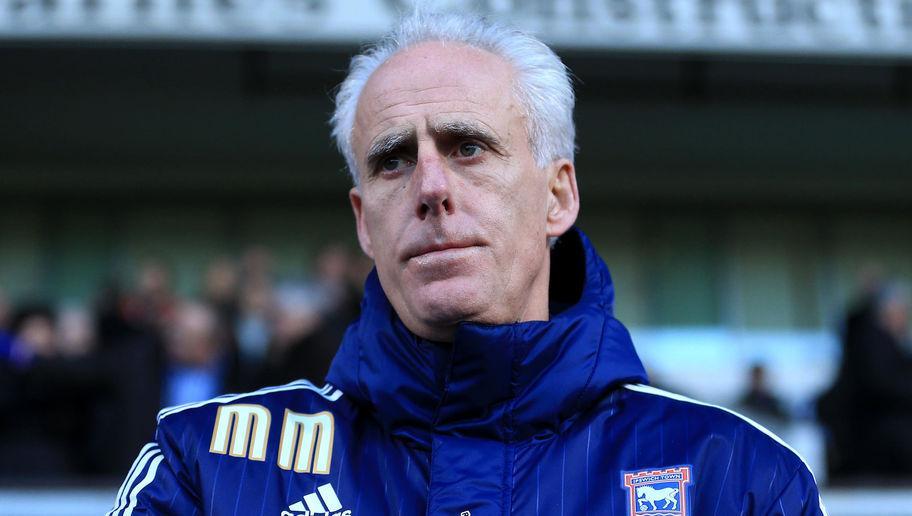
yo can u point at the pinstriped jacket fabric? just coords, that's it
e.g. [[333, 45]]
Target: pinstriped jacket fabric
[[534, 418]]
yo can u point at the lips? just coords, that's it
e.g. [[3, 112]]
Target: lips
[[419, 250]]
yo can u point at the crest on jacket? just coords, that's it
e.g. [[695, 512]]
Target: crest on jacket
[[657, 492]]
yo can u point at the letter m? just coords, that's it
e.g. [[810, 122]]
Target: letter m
[[306, 443], [241, 431]]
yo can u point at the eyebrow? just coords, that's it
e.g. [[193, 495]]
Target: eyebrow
[[463, 129], [389, 143]]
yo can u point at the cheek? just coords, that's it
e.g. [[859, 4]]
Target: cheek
[[527, 202], [516, 212], [381, 220], [374, 224]]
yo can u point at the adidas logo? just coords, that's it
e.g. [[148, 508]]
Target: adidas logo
[[322, 503]]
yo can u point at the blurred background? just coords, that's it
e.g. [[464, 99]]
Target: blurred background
[[174, 221]]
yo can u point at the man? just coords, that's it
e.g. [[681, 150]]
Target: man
[[486, 375], [868, 409]]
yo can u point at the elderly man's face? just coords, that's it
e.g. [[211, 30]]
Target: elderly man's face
[[451, 205]]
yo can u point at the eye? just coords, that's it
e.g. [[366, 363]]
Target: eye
[[469, 150], [394, 164]]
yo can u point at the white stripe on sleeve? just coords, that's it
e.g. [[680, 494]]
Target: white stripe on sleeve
[[150, 476], [327, 391], [150, 450]]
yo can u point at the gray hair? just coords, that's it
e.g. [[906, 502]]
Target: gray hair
[[542, 87]]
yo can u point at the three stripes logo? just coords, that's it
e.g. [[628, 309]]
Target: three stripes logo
[[322, 503]]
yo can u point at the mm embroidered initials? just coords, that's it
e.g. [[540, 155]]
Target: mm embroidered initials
[[241, 431], [306, 443]]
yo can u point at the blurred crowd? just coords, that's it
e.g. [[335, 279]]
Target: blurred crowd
[[80, 385]]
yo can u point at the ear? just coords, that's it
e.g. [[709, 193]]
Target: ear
[[563, 197], [363, 238]]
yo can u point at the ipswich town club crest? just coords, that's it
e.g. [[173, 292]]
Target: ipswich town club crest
[[658, 492]]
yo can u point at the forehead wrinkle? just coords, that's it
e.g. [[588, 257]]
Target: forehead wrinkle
[[412, 91], [390, 111], [410, 97]]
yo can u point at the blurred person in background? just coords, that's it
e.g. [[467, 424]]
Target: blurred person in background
[[254, 329], [758, 401], [221, 292], [257, 266], [196, 355], [152, 302], [862, 312], [220, 289], [131, 351], [331, 279], [46, 399], [340, 276], [68, 404], [868, 410], [76, 329], [311, 319], [32, 334], [113, 318], [292, 353]]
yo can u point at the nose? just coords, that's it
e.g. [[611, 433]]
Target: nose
[[434, 188]]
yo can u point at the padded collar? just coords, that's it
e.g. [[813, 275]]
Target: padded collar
[[506, 382]]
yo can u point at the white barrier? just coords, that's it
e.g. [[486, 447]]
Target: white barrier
[[69, 501]]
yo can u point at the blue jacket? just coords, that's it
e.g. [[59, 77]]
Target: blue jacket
[[533, 418]]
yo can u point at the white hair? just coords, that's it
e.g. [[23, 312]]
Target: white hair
[[542, 86]]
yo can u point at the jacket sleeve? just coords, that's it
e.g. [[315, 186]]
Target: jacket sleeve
[[154, 485], [799, 497]]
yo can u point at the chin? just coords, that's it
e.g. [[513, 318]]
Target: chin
[[448, 302]]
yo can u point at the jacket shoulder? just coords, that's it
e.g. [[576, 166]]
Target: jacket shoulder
[[714, 419], [176, 473], [772, 474]]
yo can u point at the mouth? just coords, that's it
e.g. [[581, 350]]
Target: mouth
[[439, 249]]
